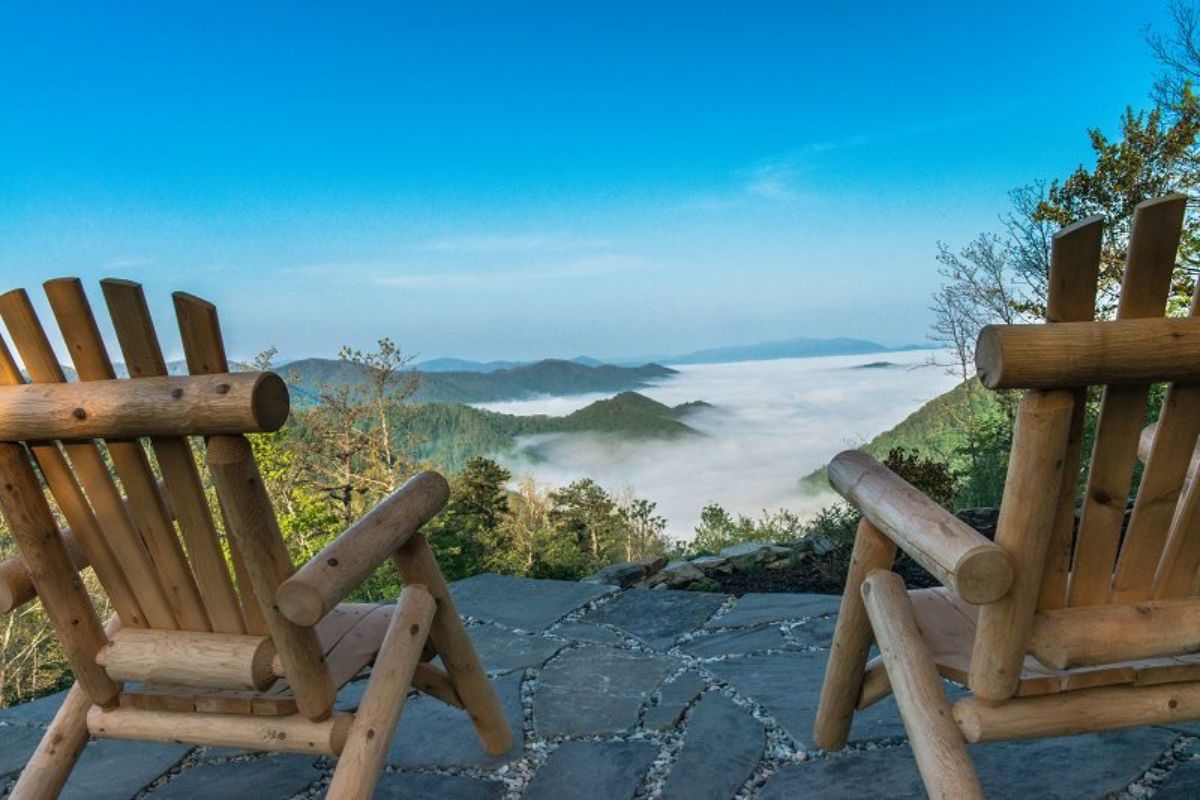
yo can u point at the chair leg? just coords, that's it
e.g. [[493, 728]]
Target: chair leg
[[46, 773], [936, 740], [851, 641], [417, 565], [362, 757]]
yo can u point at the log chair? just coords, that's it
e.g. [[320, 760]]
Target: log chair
[[240, 650], [1055, 628]]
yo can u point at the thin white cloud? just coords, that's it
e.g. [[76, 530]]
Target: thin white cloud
[[773, 182], [780, 179], [427, 276], [575, 269], [514, 243], [127, 262]]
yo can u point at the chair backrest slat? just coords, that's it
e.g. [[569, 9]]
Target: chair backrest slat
[[1154, 240], [64, 597], [1180, 563], [1158, 495], [1024, 531], [204, 351], [143, 358], [77, 513], [82, 336], [1071, 297], [88, 464], [253, 526]]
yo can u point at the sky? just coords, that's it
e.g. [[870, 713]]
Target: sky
[[536, 179]]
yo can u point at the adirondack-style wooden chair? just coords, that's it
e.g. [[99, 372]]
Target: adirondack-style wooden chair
[[1054, 631], [194, 654]]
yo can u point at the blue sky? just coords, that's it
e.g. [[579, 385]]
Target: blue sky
[[512, 180]]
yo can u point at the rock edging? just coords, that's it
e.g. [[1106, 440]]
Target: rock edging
[[700, 572]]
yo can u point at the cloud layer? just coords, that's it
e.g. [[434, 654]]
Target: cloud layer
[[775, 422]]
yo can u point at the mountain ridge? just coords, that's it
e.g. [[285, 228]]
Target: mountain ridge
[[545, 377], [799, 347], [451, 433]]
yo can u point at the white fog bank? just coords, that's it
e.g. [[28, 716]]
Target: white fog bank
[[774, 423]]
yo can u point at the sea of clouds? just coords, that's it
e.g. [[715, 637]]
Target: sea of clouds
[[773, 423]]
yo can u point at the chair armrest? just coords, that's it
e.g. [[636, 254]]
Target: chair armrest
[[350, 559], [957, 555]]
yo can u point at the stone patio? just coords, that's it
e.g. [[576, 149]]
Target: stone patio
[[635, 693]]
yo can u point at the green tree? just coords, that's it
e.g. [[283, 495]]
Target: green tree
[[585, 517], [349, 447], [522, 532], [645, 529], [932, 477], [469, 529], [1155, 154], [306, 519], [718, 529]]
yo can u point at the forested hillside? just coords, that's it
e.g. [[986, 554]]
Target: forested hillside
[[547, 377], [967, 429], [449, 434]]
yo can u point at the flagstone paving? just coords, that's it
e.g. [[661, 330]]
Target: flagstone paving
[[633, 694]]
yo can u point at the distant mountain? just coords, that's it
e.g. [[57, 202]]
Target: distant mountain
[[548, 377], [630, 413], [788, 348], [466, 365], [463, 365], [449, 434]]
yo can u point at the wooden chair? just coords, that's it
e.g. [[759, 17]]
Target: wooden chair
[[1054, 631], [193, 653]]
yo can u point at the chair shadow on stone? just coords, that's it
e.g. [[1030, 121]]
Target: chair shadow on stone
[[1056, 628], [216, 639]]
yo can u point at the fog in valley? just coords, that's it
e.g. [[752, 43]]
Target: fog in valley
[[773, 423]]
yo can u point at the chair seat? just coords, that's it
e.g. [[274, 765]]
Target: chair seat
[[948, 626], [350, 636]]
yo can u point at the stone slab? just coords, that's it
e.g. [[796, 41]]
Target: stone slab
[[757, 608], [350, 695], [789, 686], [592, 771], [1068, 768], [738, 641], [621, 575], [814, 632], [111, 769], [433, 734], [586, 632], [673, 700], [38, 712], [657, 618], [502, 650], [17, 743], [524, 603], [721, 748], [595, 689], [275, 777], [1183, 783], [407, 786]]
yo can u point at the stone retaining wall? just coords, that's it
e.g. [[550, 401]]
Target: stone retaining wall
[[748, 558]]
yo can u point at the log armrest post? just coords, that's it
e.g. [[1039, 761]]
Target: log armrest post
[[956, 554], [318, 586]]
